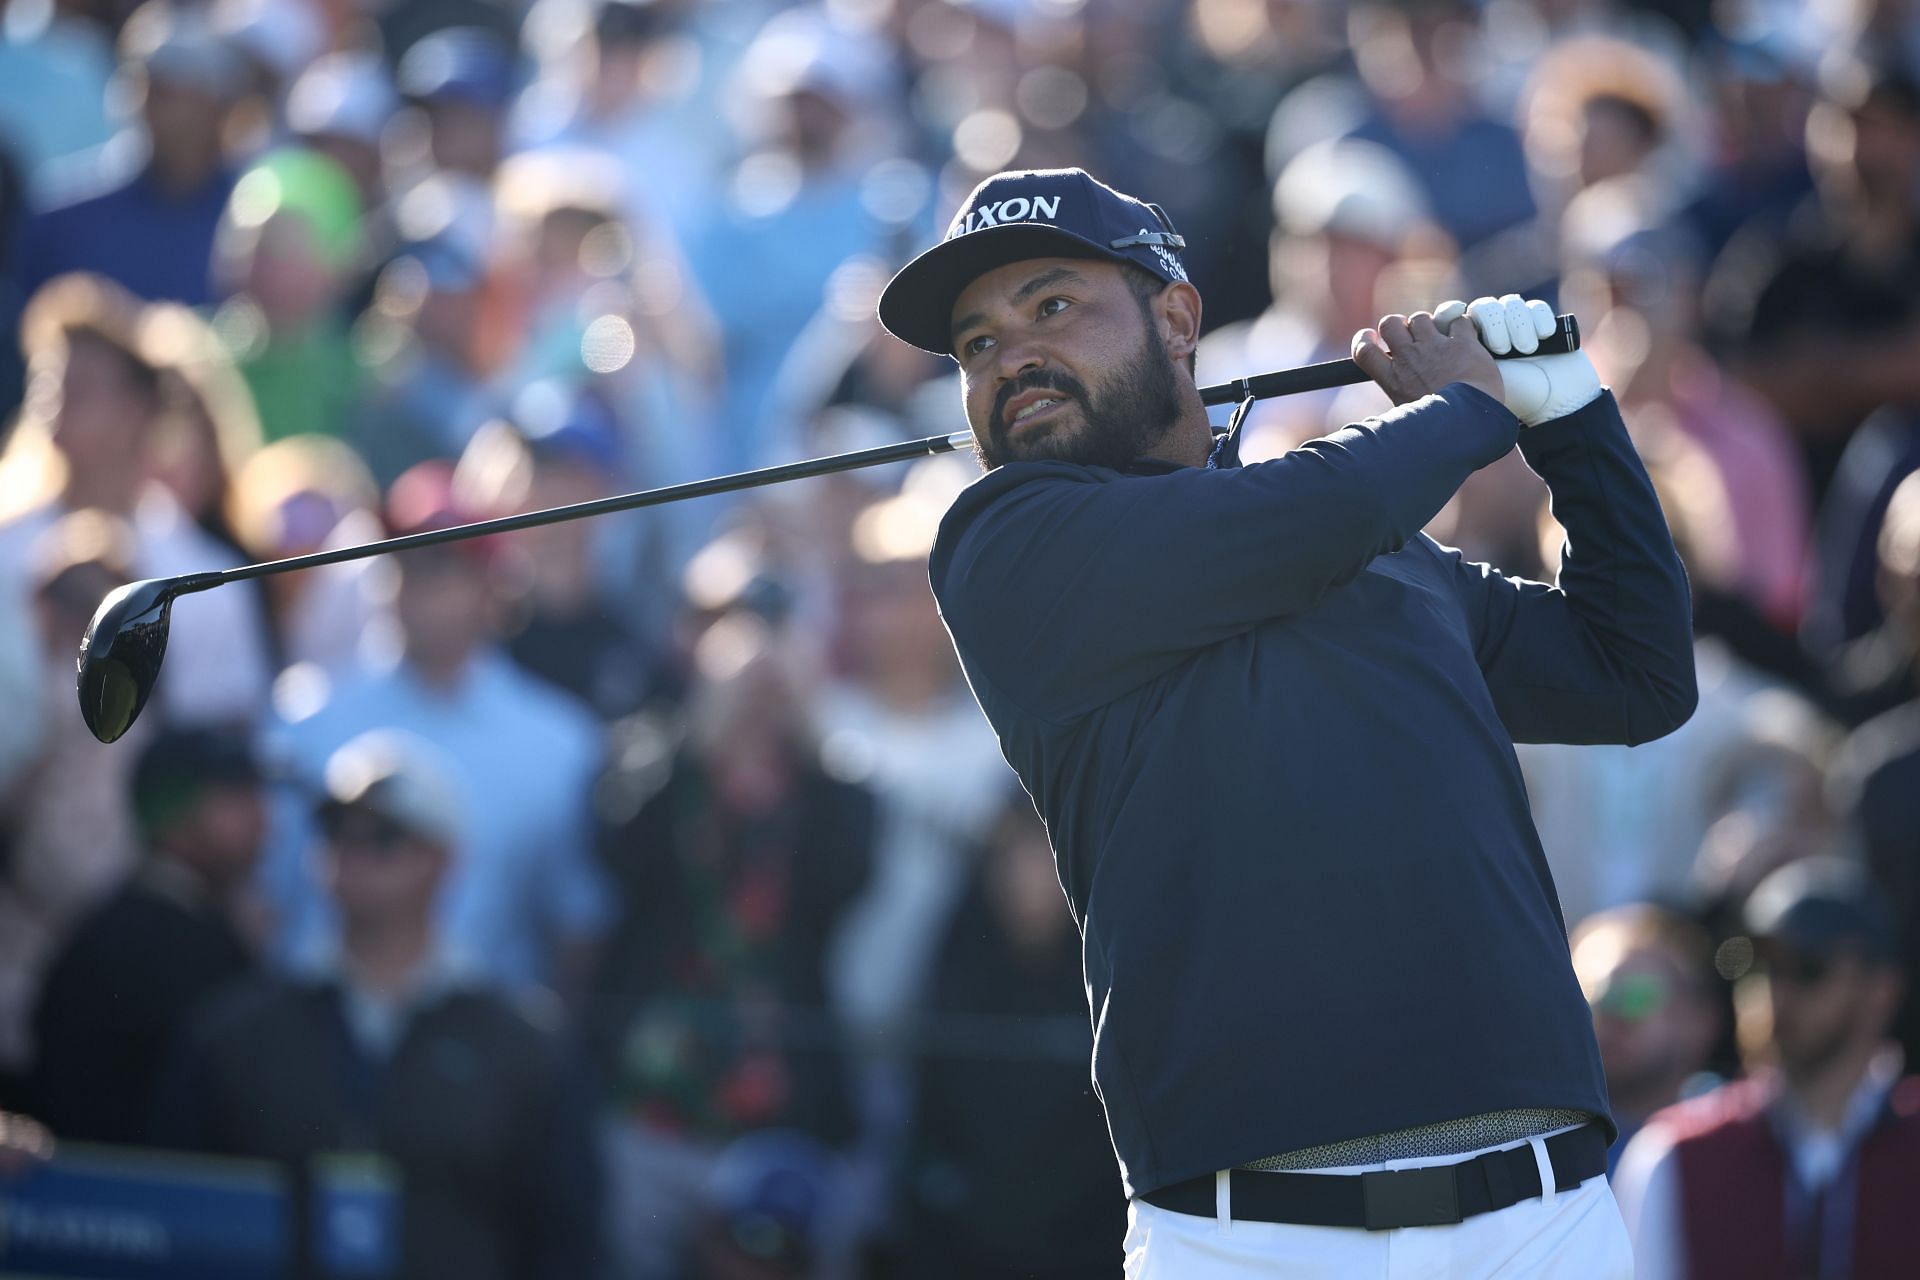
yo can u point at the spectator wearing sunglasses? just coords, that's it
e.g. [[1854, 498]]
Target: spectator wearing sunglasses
[[1809, 1168], [390, 1060], [1648, 976]]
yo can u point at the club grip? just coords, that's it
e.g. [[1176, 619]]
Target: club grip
[[1343, 373]]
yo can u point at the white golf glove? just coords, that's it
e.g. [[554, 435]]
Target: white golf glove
[[1538, 389]]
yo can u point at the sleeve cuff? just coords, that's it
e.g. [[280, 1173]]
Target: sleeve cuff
[[1571, 431]]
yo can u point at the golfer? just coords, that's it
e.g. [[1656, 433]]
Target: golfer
[[1270, 727]]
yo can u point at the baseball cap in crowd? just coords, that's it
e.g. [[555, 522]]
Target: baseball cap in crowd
[[395, 777], [463, 64], [181, 765], [564, 423], [1030, 213], [1818, 906]]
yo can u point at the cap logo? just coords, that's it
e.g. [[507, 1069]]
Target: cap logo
[[1017, 209], [1166, 255]]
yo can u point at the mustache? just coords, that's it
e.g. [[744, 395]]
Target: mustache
[[1036, 380]]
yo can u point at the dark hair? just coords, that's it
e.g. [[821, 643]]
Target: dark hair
[[1145, 287]]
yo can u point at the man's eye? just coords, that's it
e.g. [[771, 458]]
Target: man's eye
[[1053, 306], [974, 346]]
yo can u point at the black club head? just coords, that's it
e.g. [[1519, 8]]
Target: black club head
[[120, 655]]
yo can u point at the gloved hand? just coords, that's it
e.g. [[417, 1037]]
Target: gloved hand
[[1537, 389]]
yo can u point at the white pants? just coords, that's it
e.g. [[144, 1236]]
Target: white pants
[[1568, 1235]]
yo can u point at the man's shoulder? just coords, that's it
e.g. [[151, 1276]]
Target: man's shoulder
[[1006, 484], [1736, 1108]]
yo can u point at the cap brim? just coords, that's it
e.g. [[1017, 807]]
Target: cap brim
[[917, 304]]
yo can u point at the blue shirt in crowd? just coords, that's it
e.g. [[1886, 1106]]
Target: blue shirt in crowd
[[1270, 726], [156, 244], [524, 758]]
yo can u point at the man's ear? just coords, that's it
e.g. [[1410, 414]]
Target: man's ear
[[1177, 308]]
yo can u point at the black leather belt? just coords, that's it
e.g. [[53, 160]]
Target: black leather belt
[[1435, 1196]]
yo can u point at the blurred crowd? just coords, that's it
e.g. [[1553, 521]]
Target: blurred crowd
[[645, 897]]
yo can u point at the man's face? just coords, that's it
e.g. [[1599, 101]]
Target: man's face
[[443, 604], [1059, 359], [377, 870], [1821, 1004], [102, 412], [1652, 1028]]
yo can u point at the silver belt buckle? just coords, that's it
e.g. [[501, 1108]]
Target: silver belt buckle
[[1410, 1198]]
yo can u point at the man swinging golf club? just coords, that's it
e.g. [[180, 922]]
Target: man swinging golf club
[[1269, 725]]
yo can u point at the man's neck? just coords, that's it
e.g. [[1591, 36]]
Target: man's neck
[[1189, 441], [1825, 1093], [386, 958]]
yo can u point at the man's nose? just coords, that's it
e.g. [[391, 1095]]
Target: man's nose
[[1016, 356]]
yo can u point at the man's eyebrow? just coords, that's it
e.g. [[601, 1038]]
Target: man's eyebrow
[[1051, 276]]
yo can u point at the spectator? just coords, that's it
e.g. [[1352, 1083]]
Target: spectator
[[208, 428], [563, 624], [151, 230], [1348, 215], [1633, 286], [1758, 173], [524, 903], [900, 718], [1876, 779], [65, 821], [1648, 973], [289, 249], [307, 493], [86, 439], [425, 397], [1822, 321], [390, 1049], [1809, 1166], [610, 300], [137, 968], [1418, 103], [809, 94], [1009, 1169], [635, 87], [462, 80], [737, 867], [340, 107]]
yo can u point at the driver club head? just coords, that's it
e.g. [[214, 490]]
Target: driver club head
[[120, 655]]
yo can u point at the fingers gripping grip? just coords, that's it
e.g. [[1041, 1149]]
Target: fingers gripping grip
[[1564, 340]]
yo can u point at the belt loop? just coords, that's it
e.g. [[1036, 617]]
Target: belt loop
[[1548, 1187], [1223, 1199]]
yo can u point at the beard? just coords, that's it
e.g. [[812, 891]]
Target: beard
[[1131, 410]]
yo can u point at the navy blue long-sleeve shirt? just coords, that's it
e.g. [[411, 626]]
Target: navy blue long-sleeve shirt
[[1270, 727]]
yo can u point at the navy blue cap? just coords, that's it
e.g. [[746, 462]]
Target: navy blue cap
[[565, 423], [1822, 905], [467, 64], [1029, 213]]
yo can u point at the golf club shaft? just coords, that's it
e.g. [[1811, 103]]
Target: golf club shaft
[[873, 457], [1343, 373], [1313, 377]]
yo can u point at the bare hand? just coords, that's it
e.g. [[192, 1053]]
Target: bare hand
[[1410, 357]]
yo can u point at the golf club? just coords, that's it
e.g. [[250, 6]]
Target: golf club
[[121, 652]]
